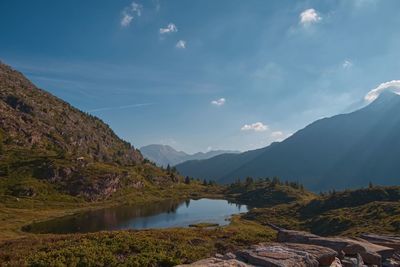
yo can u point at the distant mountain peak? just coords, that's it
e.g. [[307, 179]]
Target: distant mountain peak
[[164, 155]]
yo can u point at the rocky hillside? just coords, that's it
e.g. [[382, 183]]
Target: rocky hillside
[[43, 138], [31, 118]]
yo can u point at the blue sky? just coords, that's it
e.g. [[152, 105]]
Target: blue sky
[[205, 74]]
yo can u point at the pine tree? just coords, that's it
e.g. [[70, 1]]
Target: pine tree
[[249, 181], [168, 169], [187, 180], [276, 181]]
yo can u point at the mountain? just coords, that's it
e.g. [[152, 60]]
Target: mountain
[[344, 151], [164, 155], [43, 138]]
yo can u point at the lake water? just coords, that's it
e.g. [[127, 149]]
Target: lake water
[[163, 214]]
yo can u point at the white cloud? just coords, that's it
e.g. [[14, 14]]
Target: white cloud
[[136, 8], [393, 86], [347, 64], [219, 102], [169, 29], [309, 16], [181, 44], [257, 127], [126, 20], [129, 13]]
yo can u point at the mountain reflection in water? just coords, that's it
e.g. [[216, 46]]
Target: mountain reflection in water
[[164, 214]]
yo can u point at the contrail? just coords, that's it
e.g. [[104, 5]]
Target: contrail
[[121, 107]]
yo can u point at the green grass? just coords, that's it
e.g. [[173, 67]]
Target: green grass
[[374, 210], [133, 248], [267, 194], [204, 225]]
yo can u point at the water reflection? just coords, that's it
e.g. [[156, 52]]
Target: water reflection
[[168, 213]]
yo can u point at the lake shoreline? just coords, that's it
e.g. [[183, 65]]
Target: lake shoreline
[[14, 214]]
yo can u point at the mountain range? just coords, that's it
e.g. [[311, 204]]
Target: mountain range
[[343, 151], [164, 155]]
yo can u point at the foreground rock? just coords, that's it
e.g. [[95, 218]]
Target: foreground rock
[[286, 254], [371, 254], [303, 249], [217, 262], [227, 260], [387, 241], [275, 255]]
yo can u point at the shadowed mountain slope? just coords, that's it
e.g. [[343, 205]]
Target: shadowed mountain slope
[[347, 150]]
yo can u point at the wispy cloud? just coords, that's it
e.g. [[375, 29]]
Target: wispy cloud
[[129, 13], [181, 44], [393, 86], [126, 19], [120, 107], [278, 136], [309, 16], [219, 102], [171, 27], [256, 127], [347, 64]]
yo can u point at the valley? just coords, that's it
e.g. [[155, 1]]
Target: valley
[[76, 194], [274, 203]]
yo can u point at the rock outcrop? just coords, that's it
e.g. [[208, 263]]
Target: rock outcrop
[[303, 249], [288, 254], [372, 254]]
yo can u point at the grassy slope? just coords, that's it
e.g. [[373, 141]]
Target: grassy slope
[[263, 193], [374, 210]]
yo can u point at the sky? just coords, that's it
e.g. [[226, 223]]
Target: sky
[[202, 75]]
